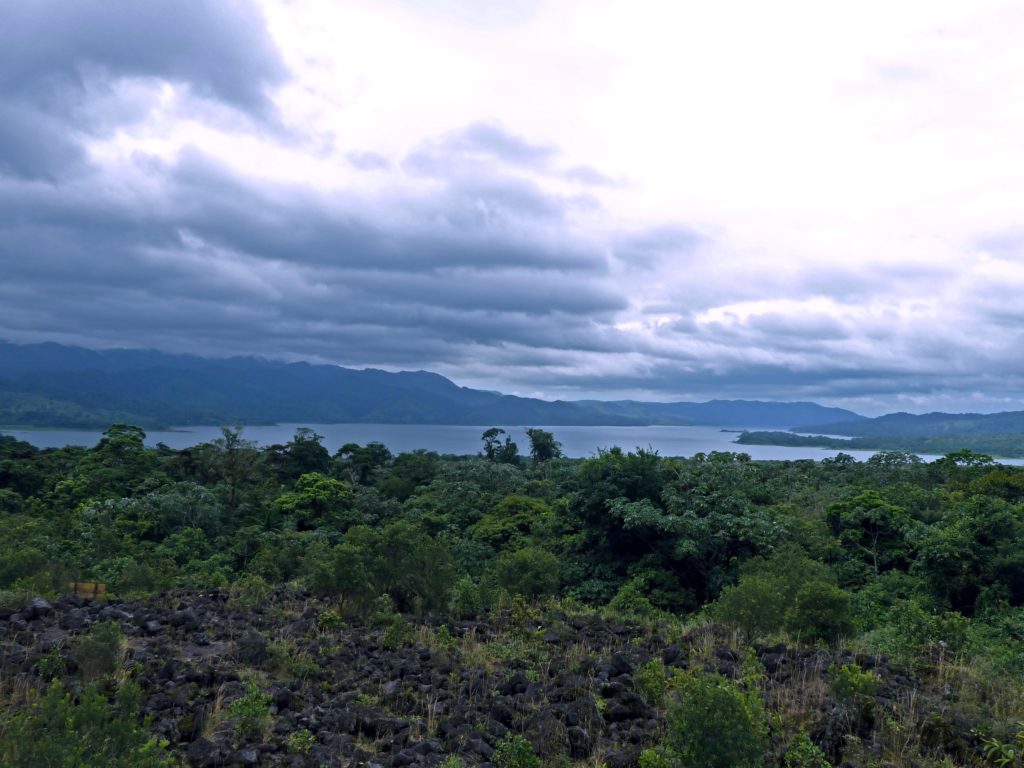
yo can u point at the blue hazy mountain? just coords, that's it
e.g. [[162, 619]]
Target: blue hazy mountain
[[55, 385], [922, 425]]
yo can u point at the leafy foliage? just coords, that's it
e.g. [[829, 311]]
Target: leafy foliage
[[84, 731], [715, 724]]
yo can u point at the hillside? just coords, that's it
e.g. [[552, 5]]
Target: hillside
[[922, 425], [726, 413]]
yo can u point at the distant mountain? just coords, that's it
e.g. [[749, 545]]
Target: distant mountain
[[54, 385], [923, 425], [725, 413]]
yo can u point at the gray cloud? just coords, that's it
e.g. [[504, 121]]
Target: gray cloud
[[468, 258], [62, 64], [584, 174], [50, 50]]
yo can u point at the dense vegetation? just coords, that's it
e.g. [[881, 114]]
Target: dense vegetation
[[627, 608]]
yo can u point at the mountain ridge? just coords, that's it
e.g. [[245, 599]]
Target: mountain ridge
[[52, 384]]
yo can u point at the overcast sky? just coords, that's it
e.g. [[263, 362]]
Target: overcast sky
[[662, 200]]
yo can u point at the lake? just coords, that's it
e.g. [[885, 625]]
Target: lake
[[576, 441]]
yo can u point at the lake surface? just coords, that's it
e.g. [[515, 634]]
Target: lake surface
[[576, 441]]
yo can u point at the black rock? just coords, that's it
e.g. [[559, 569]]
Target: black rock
[[405, 757], [109, 613], [501, 712], [480, 747], [620, 665], [251, 647], [37, 609], [73, 619], [580, 744], [204, 753], [248, 756], [186, 619], [152, 627]]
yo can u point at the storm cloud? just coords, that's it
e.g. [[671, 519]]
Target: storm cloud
[[187, 177]]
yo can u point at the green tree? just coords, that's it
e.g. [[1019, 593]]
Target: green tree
[[506, 452], [318, 501], [872, 531], [543, 446], [976, 546], [361, 463], [235, 460]]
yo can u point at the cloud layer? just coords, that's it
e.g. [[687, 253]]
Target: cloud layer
[[212, 178]]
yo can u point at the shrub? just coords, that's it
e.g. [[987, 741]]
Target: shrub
[[98, 652], [249, 591], [530, 572], [399, 633], [465, 599], [655, 758], [651, 682], [630, 601], [851, 683], [287, 657], [251, 712], [1005, 754], [381, 612], [514, 751], [87, 733], [804, 753], [21, 564], [715, 724], [15, 599], [301, 742], [329, 621], [820, 611], [789, 591]]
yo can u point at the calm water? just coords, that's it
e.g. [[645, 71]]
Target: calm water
[[576, 441]]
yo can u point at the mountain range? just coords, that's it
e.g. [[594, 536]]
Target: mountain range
[[63, 386], [923, 425]]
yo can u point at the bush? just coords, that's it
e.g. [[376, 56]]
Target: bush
[[789, 591], [514, 751], [465, 599], [630, 601], [1005, 754], [803, 753], [851, 683], [251, 712], [530, 572], [249, 591], [21, 564], [98, 652], [87, 733], [301, 742], [651, 682], [329, 621], [820, 611], [399, 633], [715, 724], [655, 758]]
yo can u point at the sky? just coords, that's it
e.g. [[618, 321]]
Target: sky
[[561, 199]]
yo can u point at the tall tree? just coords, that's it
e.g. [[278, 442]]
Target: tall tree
[[543, 446]]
